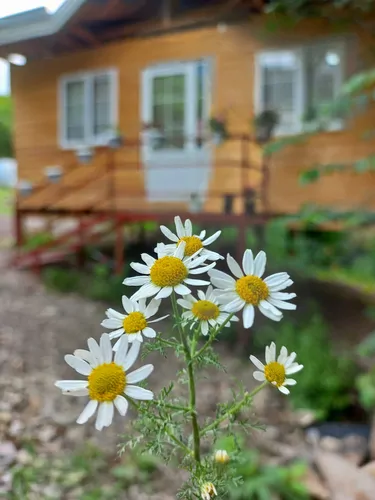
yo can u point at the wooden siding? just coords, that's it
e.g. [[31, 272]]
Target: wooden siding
[[35, 90]]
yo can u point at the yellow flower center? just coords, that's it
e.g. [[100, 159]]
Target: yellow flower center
[[209, 491], [275, 372], [252, 289], [134, 323], [168, 271], [193, 244], [205, 310], [106, 382]]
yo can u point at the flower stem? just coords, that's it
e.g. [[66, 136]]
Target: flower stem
[[188, 357], [213, 336], [233, 410]]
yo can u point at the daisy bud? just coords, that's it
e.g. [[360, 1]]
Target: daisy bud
[[221, 457], [208, 491]]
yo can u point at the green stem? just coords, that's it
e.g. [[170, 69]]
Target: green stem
[[213, 336], [169, 433], [233, 410], [175, 407], [194, 419]]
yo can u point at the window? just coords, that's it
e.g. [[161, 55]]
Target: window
[[175, 102], [298, 83], [88, 108]]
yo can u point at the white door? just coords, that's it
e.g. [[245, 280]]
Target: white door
[[175, 101]]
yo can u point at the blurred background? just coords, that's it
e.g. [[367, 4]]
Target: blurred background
[[254, 117]]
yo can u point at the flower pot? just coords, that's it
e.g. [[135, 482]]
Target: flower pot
[[25, 188], [116, 142], [84, 155], [54, 174], [196, 204], [263, 133]]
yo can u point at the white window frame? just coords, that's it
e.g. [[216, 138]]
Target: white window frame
[[300, 94], [90, 139], [189, 70]]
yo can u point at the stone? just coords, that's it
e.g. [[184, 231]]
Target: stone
[[372, 438], [345, 480], [5, 417], [329, 443], [47, 433], [24, 457], [315, 486], [8, 453], [369, 468], [355, 448], [16, 428], [304, 418]]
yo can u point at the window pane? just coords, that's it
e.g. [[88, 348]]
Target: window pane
[[279, 88], [75, 108], [102, 104], [168, 113], [323, 68]]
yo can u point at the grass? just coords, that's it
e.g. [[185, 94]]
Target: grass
[[6, 200]]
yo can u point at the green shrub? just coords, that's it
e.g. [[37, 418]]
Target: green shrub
[[256, 481], [326, 382]]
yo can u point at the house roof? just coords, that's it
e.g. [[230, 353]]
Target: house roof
[[37, 22]]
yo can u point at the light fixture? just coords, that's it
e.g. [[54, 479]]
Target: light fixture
[[17, 59], [332, 59]]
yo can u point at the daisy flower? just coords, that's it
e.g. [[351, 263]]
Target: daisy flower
[[167, 273], [208, 491], [276, 372], [135, 323], [249, 290], [205, 310], [107, 379], [184, 232]]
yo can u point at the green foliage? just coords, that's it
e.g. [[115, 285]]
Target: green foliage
[[6, 118], [6, 197], [326, 382], [81, 472], [365, 382], [261, 482], [37, 240]]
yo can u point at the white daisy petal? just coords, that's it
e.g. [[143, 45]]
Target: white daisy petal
[[201, 295], [180, 230], [164, 292], [234, 266], [139, 374], [188, 228], [202, 234], [149, 332], [193, 281], [121, 350], [86, 356], [158, 319], [204, 328], [260, 264], [290, 381], [122, 405], [272, 351], [235, 305], [248, 262], [283, 295], [248, 316], [112, 314], [290, 359], [140, 268], [284, 390], [132, 355], [283, 355], [185, 303], [215, 273], [257, 363], [146, 291], [106, 348], [269, 313], [136, 281], [180, 250], [100, 418], [150, 261], [111, 323], [277, 278], [88, 412], [294, 369], [71, 385], [76, 393], [203, 269], [259, 376], [184, 290], [127, 304], [280, 286], [78, 364], [116, 333], [95, 349], [212, 238], [136, 392], [168, 234], [281, 304], [152, 308]]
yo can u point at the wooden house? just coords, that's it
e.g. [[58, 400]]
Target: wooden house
[[157, 70]]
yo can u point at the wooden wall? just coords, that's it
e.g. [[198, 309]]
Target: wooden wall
[[35, 90]]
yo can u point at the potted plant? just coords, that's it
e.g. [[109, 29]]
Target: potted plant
[[84, 154], [311, 120], [218, 127], [152, 135], [196, 203], [116, 139], [54, 173], [265, 124], [25, 188]]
